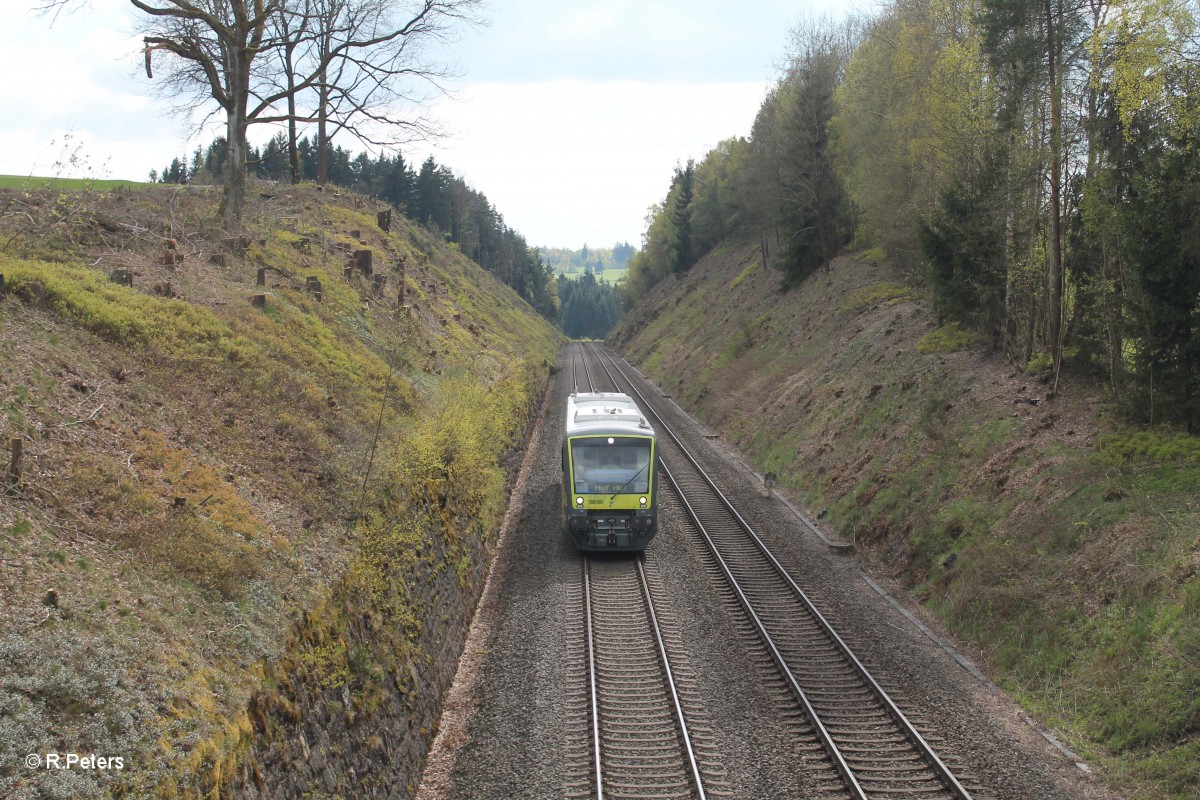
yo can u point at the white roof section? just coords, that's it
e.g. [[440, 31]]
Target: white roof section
[[605, 410]]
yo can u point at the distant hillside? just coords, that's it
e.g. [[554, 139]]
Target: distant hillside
[[260, 476], [608, 264], [1058, 545]]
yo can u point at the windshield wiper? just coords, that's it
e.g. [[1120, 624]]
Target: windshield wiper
[[639, 472]]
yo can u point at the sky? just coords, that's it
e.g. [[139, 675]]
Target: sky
[[569, 115]]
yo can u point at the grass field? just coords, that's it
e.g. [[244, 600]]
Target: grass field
[[71, 184], [612, 276]]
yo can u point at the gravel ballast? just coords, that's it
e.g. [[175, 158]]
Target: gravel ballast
[[504, 732]]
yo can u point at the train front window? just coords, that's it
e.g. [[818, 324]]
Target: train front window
[[611, 464]]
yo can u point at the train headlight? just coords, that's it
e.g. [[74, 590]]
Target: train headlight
[[642, 501], [578, 501]]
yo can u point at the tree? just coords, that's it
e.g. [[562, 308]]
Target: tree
[[357, 54], [681, 213], [371, 57], [715, 212], [283, 23], [815, 212], [1034, 46], [590, 308], [215, 43], [963, 238]]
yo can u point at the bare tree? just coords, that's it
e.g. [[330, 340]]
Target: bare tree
[[370, 70], [215, 44], [358, 56], [290, 33]]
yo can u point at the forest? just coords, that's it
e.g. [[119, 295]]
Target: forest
[[590, 307], [595, 259], [432, 195], [588, 281], [1033, 166]]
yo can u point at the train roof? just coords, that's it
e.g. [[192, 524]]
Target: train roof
[[605, 411]]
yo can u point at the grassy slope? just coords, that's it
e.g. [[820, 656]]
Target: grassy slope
[[198, 471], [1062, 545], [63, 184]]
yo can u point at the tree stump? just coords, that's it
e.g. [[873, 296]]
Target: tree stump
[[362, 260], [385, 220], [14, 468], [122, 276], [218, 259], [348, 272], [261, 278], [258, 300], [380, 282], [238, 245], [37, 291]]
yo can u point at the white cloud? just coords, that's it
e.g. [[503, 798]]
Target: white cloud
[[565, 161], [76, 75], [569, 162], [587, 22]]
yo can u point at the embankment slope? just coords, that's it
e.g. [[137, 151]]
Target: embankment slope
[[247, 539], [1055, 543]]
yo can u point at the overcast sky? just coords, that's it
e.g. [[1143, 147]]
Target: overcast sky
[[570, 115]]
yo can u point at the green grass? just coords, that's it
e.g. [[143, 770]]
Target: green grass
[[746, 273], [120, 314], [65, 184], [613, 276], [947, 339]]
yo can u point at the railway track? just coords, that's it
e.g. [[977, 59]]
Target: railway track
[[642, 744], [867, 738]]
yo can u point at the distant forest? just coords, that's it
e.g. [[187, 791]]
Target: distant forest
[[431, 195], [597, 260], [590, 307], [590, 303], [1034, 164]]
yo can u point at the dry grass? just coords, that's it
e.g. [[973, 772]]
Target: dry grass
[[195, 467]]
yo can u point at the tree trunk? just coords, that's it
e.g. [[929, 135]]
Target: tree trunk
[[293, 149], [234, 197], [322, 144], [1056, 259]]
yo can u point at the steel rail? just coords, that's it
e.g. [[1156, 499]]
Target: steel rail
[[693, 766], [826, 738], [943, 772], [660, 643], [591, 650], [581, 356]]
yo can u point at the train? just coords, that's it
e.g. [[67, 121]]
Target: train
[[610, 480]]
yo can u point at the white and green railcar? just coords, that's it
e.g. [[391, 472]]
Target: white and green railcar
[[610, 491]]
